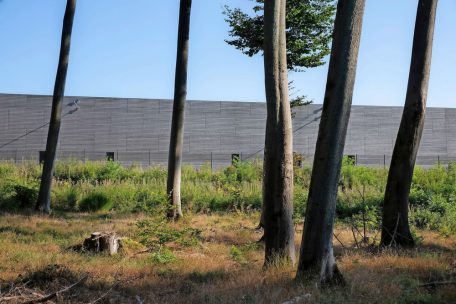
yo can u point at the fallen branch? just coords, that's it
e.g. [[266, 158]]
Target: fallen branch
[[58, 293], [437, 283], [336, 237], [354, 237], [141, 252]]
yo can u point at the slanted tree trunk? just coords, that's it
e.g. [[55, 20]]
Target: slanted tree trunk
[[278, 157], [44, 196], [177, 124], [316, 256], [395, 228]]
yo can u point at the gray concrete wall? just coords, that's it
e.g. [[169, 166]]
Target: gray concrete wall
[[137, 130]]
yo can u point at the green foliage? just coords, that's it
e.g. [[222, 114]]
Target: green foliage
[[157, 234], [16, 192], [432, 211], [95, 201], [65, 197], [109, 187], [163, 256], [309, 31], [299, 203], [236, 254], [26, 194]]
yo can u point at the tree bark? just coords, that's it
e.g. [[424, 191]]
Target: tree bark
[[395, 228], [177, 124], [44, 197], [278, 157], [316, 256]]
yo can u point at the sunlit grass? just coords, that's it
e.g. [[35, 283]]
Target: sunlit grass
[[224, 266]]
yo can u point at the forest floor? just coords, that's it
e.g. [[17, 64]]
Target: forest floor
[[218, 260]]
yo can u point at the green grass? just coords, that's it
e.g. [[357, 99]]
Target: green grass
[[108, 187]]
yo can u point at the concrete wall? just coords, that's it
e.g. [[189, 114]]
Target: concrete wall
[[137, 130]]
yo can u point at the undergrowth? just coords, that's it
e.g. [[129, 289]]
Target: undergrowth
[[110, 187]]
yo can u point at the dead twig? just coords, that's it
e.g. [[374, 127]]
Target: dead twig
[[116, 284], [58, 293]]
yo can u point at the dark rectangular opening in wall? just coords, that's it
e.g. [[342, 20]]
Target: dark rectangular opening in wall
[[297, 159], [41, 157], [235, 158], [352, 159], [110, 156]]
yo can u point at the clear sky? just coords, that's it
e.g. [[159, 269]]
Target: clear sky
[[126, 48]]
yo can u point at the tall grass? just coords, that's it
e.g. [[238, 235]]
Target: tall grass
[[110, 187]]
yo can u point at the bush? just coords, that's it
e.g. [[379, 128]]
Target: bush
[[66, 197], [25, 195], [95, 201], [156, 235], [93, 186]]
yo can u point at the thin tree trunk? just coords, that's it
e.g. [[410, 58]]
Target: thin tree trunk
[[44, 196], [177, 124], [316, 256], [278, 158], [395, 228]]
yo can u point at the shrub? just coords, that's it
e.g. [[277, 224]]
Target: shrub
[[25, 195], [157, 234], [163, 256], [92, 186], [96, 201], [66, 197]]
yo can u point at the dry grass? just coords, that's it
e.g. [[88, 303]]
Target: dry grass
[[224, 267]]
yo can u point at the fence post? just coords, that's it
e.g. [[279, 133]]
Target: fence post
[[15, 157], [149, 157], [438, 160], [211, 160], [384, 161]]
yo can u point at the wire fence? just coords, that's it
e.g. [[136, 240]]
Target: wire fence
[[214, 159]]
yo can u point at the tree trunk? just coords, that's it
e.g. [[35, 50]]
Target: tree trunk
[[177, 124], [278, 157], [44, 196], [316, 256], [395, 228]]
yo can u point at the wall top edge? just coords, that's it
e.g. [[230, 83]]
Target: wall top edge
[[98, 98]]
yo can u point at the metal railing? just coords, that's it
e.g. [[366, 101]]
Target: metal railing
[[214, 159]]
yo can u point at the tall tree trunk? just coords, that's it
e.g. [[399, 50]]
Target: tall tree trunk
[[278, 157], [177, 124], [44, 196], [316, 256], [395, 228]]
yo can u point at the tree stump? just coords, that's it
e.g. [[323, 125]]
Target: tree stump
[[101, 242]]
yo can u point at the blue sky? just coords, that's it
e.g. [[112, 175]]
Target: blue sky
[[126, 48]]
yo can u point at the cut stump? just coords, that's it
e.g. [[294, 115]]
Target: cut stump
[[102, 242]]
